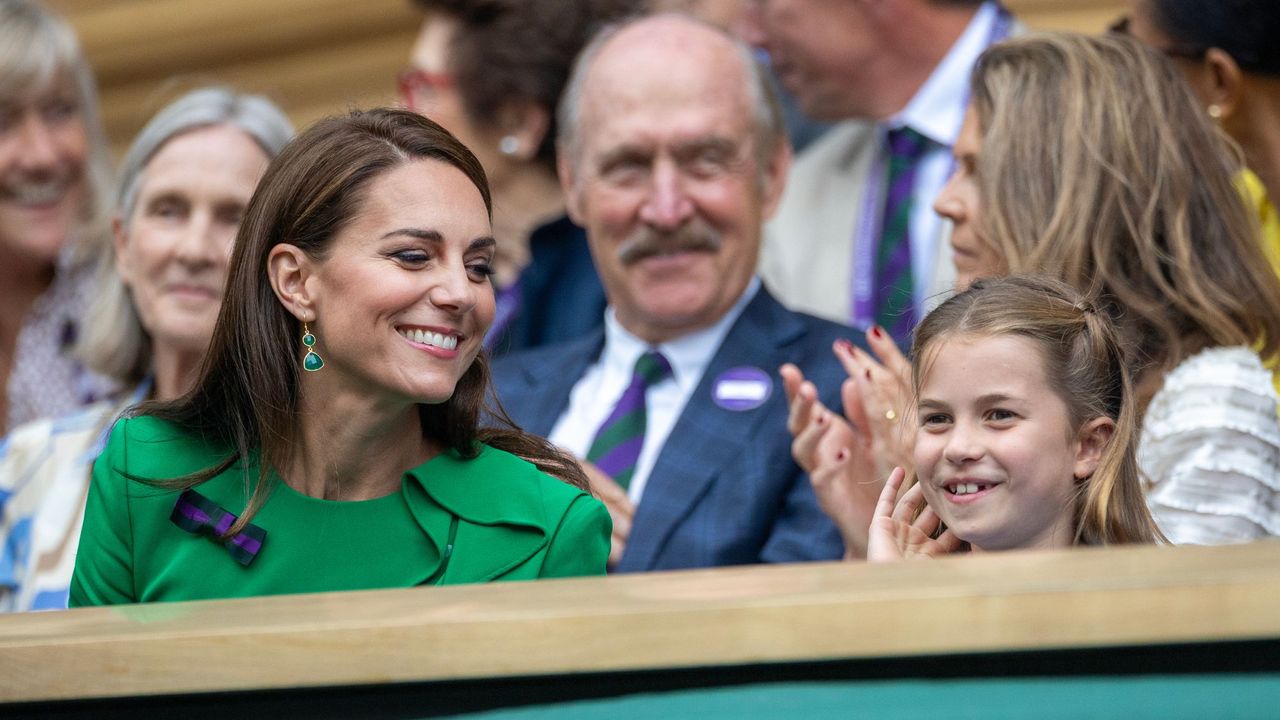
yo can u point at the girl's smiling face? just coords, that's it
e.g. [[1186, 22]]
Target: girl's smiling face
[[996, 452]]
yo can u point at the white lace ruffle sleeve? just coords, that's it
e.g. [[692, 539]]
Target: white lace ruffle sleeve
[[1210, 450]]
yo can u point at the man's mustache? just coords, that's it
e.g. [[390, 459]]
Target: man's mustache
[[694, 236]]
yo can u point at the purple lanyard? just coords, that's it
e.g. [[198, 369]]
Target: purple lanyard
[[867, 234]]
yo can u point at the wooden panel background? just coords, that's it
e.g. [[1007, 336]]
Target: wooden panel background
[[314, 57]]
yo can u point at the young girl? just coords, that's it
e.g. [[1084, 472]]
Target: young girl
[[1089, 160], [1026, 429]]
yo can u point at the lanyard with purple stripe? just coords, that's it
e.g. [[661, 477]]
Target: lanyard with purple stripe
[[867, 233]]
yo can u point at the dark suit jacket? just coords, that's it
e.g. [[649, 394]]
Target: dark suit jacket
[[561, 297], [724, 489]]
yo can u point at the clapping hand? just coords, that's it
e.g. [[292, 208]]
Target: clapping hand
[[837, 457], [898, 532], [878, 400]]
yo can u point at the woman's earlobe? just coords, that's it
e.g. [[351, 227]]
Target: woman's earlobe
[[1226, 80]]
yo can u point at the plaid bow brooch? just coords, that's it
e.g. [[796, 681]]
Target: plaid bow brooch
[[199, 515]]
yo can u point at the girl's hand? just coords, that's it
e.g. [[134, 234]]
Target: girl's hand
[[895, 535], [880, 404], [837, 458]]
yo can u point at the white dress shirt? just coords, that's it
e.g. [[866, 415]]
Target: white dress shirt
[[937, 112], [600, 387]]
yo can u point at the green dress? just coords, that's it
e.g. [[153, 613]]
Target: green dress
[[493, 517]]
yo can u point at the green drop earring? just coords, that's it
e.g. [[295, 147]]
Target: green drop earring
[[312, 362]]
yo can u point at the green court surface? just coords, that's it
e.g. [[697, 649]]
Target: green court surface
[[1177, 697]]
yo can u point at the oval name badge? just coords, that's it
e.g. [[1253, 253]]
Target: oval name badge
[[742, 388]]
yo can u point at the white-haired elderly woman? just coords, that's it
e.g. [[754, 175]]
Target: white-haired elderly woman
[[55, 204], [183, 188]]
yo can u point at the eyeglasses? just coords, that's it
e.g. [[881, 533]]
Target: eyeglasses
[[413, 83], [1186, 52]]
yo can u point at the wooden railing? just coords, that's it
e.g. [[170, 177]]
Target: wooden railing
[[783, 614]]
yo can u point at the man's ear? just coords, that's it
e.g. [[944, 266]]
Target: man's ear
[[775, 175], [120, 241], [1091, 443], [568, 185], [289, 268], [1225, 83]]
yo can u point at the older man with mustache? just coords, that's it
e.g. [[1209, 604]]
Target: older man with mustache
[[672, 155]]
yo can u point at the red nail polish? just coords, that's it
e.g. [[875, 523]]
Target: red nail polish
[[867, 373], [844, 344], [875, 330]]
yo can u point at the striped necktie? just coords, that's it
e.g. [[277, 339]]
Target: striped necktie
[[895, 306], [617, 444]]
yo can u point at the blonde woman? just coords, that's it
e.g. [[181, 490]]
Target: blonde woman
[[1088, 159], [185, 184], [55, 185]]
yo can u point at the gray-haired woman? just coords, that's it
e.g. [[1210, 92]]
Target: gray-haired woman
[[184, 186]]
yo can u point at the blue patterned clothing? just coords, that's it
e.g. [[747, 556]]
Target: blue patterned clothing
[[44, 478]]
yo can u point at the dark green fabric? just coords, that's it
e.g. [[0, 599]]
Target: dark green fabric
[[514, 523], [1190, 697]]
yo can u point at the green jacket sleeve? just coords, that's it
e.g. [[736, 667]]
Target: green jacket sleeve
[[580, 545], [104, 561]]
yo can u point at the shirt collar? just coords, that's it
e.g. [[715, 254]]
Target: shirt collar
[[937, 110], [688, 354]]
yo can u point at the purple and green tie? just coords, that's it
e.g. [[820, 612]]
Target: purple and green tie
[[895, 306], [617, 444]]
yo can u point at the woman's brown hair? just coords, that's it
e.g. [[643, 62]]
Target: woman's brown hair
[[1098, 167], [247, 394], [1085, 364]]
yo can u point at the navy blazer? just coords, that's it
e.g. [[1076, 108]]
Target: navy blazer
[[561, 297], [724, 489]]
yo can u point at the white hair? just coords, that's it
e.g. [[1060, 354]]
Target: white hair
[[114, 341], [766, 109]]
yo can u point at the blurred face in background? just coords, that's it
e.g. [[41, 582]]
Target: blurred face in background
[[43, 188], [960, 202], [429, 87], [172, 251], [819, 50]]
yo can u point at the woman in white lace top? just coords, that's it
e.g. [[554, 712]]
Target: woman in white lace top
[[1088, 159]]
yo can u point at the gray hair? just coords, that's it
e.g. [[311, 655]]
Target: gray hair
[[38, 50], [766, 108], [114, 341]]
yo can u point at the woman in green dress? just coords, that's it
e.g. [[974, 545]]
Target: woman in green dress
[[333, 441]]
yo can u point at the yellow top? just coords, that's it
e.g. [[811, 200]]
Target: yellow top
[[1256, 196]]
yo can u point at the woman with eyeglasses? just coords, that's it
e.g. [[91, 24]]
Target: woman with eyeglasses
[[492, 74]]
